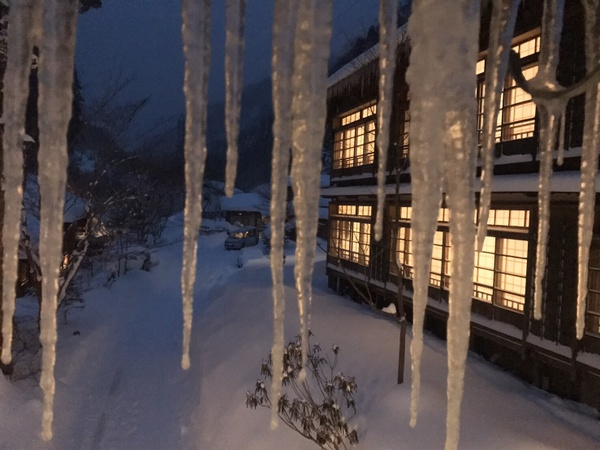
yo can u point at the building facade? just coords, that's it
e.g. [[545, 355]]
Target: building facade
[[544, 352]]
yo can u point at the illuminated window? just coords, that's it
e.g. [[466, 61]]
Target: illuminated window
[[480, 67], [511, 269], [500, 272], [403, 253], [354, 141], [483, 271], [351, 210], [527, 48], [350, 239], [514, 218], [592, 317], [516, 118], [500, 269], [518, 110]]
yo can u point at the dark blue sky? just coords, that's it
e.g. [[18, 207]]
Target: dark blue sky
[[142, 38]]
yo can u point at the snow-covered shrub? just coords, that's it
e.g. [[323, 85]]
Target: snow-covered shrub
[[317, 407]]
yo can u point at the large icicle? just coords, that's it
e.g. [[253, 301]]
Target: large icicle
[[24, 22], [234, 64], [311, 54], [589, 161], [284, 25], [388, 41], [426, 170], [442, 113], [550, 112], [196, 48], [504, 17], [55, 102]]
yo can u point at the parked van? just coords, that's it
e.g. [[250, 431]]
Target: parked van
[[242, 237]]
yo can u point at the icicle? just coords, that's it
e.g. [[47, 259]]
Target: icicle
[[24, 21], [550, 112], [548, 122], [234, 64], [196, 46], [504, 16], [426, 175], [55, 102], [442, 112], [311, 54], [589, 163], [284, 24], [388, 41]]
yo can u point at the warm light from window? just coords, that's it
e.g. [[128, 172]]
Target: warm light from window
[[480, 67]]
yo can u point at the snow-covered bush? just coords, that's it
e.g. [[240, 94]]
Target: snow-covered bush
[[317, 407]]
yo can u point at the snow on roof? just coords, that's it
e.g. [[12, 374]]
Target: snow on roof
[[249, 201], [561, 182], [360, 61]]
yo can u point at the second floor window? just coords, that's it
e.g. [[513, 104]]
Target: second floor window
[[354, 139], [516, 118]]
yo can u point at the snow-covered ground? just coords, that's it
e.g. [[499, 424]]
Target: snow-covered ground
[[120, 385]]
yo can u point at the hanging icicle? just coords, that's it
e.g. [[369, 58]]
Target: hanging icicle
[[55, 103], [196, 47], [309, 83], [550, 111], [504, 17], [284, 25], [234, 64], [442, 119], [24, 22], [426, 175], [589, 161], [388, 41]]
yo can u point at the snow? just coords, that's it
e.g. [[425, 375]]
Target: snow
[[120, 384], [567, 182], [244, 201], [361, 61]]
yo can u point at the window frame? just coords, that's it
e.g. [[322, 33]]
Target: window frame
[[355, 220], [348, 152], [503, 227], [506, 125]]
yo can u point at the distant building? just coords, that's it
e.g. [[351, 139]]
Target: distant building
[[245, 209], [545, 352]]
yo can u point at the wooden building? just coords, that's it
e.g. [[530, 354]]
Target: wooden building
[[544, 352]]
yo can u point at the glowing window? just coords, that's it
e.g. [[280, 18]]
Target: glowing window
[[514, 218], [592, 316], [516, 118], [351, 210], [354, 145], [350, 241], [527, 48], [480, 67]]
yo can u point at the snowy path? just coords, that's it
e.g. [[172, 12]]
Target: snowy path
[[120, 386]]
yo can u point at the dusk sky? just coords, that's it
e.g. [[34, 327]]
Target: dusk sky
[[142, 38]]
